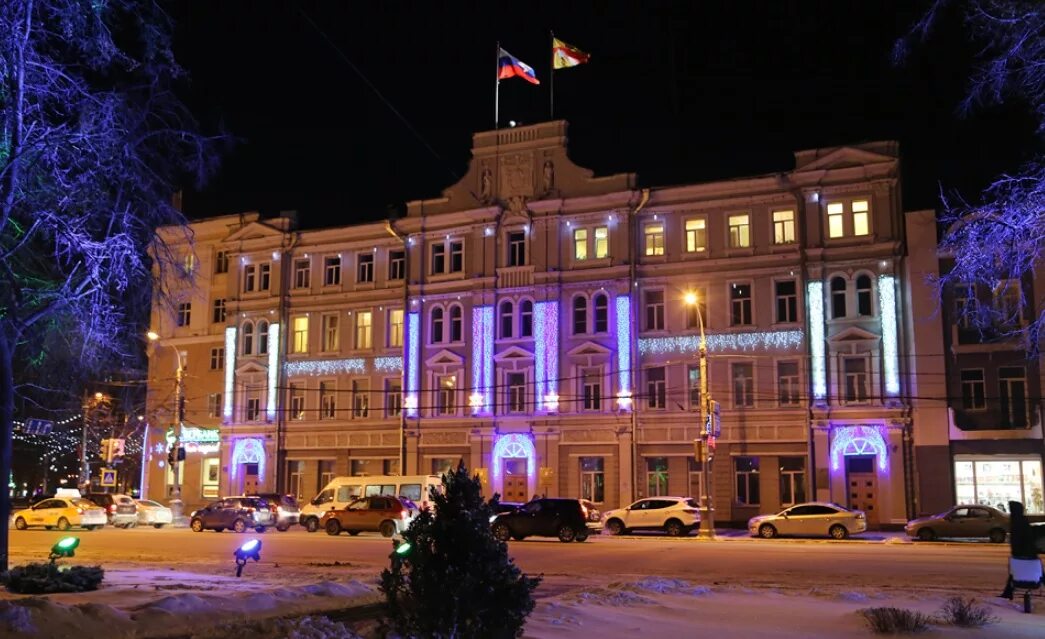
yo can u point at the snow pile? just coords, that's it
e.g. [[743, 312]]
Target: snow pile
[[636, 593], [310, 627], [666, 586], [609, 597], [15, 618]]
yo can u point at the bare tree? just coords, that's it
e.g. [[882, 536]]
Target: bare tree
[[996, 241], [94, 142]]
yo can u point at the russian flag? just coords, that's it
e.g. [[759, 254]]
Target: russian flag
[[509, 66]]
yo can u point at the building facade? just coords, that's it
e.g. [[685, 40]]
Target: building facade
[[532, 322]]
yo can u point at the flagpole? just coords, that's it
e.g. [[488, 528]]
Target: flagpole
[[551, 78], [497, 87]]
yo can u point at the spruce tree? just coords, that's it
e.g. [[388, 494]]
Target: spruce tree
[[456, 581]]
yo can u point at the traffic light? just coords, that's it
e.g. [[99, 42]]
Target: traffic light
[[181, 454]]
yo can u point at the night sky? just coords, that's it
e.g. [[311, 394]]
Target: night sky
[[676, 92]]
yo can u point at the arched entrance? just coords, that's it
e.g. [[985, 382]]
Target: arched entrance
[[861, 452], [514, 467], [247, 466]]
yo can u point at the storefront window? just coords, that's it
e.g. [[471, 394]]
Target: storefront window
[[997, 481], [211, 474]]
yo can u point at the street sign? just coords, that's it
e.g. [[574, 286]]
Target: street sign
[[108, 477], [37, 426]]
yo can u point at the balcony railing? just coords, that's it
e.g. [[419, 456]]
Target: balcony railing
[[515, 276]]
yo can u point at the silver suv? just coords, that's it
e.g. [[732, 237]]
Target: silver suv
[[674, 515]]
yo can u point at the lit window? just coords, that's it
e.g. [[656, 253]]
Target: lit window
[[602, 242], [395, 327], [593, 479], [739, 231], [364, 329], [861, 221], [580, 244], [835, 219], [656, 476], [301, 334], [783, 227], [696, 235], [654, 239], [446, 391]]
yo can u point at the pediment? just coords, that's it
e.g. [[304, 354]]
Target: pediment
[[251, 368], [513, 353], [445, 358], [589, 348], [845, 157], [254, 231], [853, 334]]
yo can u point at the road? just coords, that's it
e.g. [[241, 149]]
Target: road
[[756, 563]]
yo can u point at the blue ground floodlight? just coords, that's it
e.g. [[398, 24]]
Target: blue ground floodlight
[[249, 550], [66, 547]]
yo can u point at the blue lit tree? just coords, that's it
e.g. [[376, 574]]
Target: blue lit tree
[[997, 240], [93, 143]]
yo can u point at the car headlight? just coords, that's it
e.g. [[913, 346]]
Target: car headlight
[[493, 518]]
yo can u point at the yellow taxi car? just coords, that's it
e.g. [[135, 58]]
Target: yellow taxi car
[[61, 513]]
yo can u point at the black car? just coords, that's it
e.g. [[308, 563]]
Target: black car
[[284, 507], [562, 518], [235, 513]]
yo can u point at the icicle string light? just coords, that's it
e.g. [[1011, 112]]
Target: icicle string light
[[858, 440], [413, 353], [273, 372], [546, 355], [887, 309], [776, 340], [815, 312], [623, 308], [230, 370]]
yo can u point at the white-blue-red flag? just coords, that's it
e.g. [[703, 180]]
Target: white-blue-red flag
[[509, 66]]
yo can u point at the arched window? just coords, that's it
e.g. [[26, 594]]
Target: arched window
[[263, 337], [580, 315], [248, 338], [838, 297], [601, 304], [506, 319], [526, 318], [437, 325], [456, 323], [863, 295]]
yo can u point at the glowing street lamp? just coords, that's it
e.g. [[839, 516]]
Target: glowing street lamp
[[707, 522]]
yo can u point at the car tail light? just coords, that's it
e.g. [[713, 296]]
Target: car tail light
[[250, 509], [584, 511], [110, 508]]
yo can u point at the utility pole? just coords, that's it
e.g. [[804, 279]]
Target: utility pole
[[707, 430], [177, 506]]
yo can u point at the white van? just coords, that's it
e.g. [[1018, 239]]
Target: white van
[[342, 490]]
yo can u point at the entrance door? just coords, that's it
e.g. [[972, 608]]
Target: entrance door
[[250, 479], [863, 486], [515, 480]]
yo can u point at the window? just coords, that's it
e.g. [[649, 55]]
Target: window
[[248, 338], [395, 327], [593, 479], [217, 358], [656, 388], [516, 392], [591, 388], [517, 248], [996, 480], [580, 244], [214, 405], [218, 312], [746, 471], [1013, 395], [327, 401], [601, 304], [838, 294], [364, 330], [188, 264], [855, 369], [787, 383], [654, 310], [300, 325], [1007, 304], [295, 477], [302, 273], [835, 219], [456, 256], [783, 227], [253, 407], [438, 259], [396, 265], [654, 234], [250, 273], [863, 295], [526, 318], [184, 313], [580, 315], [446, 395], [332, 271], [326, 472], [743, 385], [696, 235], [264, 276], [696, 481], [297, 402], [456, 323], [360, 399], [506, 319], [786, 302], [221, 262], [792, 480], [861, 221], [331, 334], [964, 304], [443, 465], [263, 337], [393, 398], [695, 313], [693, 386], [602, 242], [740, 304], [739, 231], [365, 268], [656, 476], [974, 389], [437, 325]]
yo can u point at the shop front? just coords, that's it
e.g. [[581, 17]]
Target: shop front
[[995, 480]]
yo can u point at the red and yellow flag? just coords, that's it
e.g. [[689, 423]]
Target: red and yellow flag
[[566, 55]]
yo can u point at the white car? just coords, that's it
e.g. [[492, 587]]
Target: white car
[[153, 513], [813, 519], [674, 515]]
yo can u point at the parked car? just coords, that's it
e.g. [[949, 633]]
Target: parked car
[[811, 519], [382, 513], [674, 515], [120, 509], [285, 507], [562, 518], [153, 513], [592, 514], [235, 513], [506, 506], [61, 513], [961, 521]]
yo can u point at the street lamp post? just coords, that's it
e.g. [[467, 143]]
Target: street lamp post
[[707, 521], [177, 506]]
